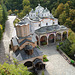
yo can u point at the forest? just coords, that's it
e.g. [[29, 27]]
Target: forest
[[64, 10]]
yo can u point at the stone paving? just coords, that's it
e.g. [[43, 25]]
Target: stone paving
[[7, 35], [56, 65]]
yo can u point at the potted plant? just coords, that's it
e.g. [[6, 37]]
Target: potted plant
[[73, 62], [45, 58], [57, 47]]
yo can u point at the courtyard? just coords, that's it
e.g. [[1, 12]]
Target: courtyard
[[56, 65]]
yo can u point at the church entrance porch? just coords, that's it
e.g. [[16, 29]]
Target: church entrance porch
[[43, 40], [48, 38], [64, 35], [58, 37], [51, 39]]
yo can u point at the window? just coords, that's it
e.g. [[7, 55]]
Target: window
[[39, 25], [46, 24], [53, 22]]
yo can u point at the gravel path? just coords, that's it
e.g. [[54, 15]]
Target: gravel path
[[56, 65], [7, 35]]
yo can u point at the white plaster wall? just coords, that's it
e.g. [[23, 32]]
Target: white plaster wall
[[32, 15], [36, 25], [27, 20], [38, 11], [56, 21], [32, 27], [44, 21]]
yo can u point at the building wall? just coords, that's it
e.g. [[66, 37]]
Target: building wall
[[47, 20], [22, 31], [31, 59], [37, 25], [56, 22], [14, 48], [33, 44]]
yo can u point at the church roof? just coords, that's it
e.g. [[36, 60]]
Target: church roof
[[52, 28], [45, 10], [20, 55], [39, 7], [32, 11], [14, 41], [28, 47]]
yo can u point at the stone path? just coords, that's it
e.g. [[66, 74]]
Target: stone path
[[56, 65], [7, 35]]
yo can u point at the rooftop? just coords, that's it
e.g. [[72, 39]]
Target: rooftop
[[20, 55], [52, 28]]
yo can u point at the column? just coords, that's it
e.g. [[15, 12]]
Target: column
[[47, 40], [61, 36], [39, 40], [54, 37]]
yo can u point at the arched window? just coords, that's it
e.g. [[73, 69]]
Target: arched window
[[28, 64], [46, 24]]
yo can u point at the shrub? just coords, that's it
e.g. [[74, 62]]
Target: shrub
[[10, 12], [38, 47], [44, 43], [61, 43], [1, 32], [16, 21], [45, 58], [72, 61], [57, 47], [42, 72], [13, 69]]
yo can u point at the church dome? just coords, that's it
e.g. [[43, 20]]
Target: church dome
[[28, 47]]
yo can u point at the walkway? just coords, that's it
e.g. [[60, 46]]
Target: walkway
[[56, 65], [7, 35]]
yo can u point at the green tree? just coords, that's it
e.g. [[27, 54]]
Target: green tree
[[15, 11], [62, 17], [66, 9], [5, 14], [11, 69], [1, 13], [68, 23], [72, 52], [25, 11], [59, 10], [10, 12], [26, 3], [0, 33], [71, 37], [72, 14]]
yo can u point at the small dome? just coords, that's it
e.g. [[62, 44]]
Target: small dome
[[28, 47], [32, 11]]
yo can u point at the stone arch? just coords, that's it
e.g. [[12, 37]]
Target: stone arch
[[43, 40], [51, 38], [64, 35], [37, 40], [58, 37], [28, 64], [37, 61]]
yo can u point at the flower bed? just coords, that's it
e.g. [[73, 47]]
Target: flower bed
[[66, 57], [45, 58]]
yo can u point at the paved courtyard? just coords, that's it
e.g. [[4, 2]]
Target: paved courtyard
[[7, 35], [56, 65]]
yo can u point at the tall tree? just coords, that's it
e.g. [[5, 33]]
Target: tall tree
[[1, 13], [66, 9], [59, 10], [62, 17]]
